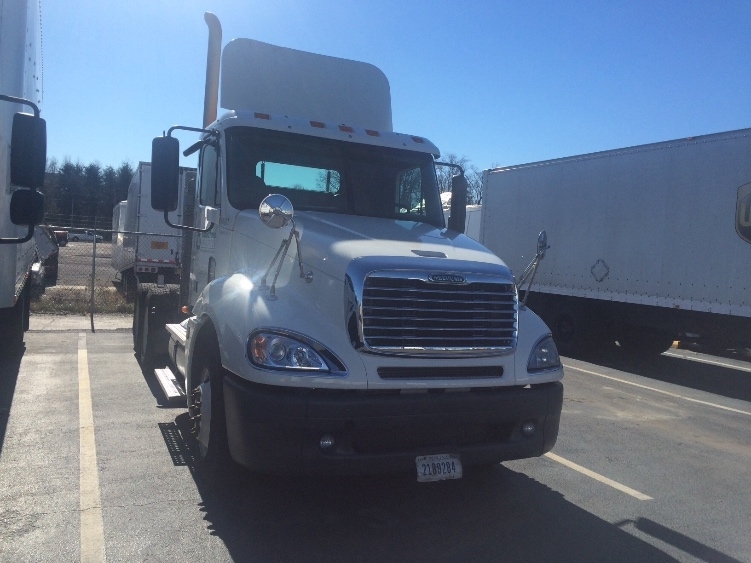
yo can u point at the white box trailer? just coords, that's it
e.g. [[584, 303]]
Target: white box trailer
[[20, 79], [472, 220], [144, 247], [648, 244]]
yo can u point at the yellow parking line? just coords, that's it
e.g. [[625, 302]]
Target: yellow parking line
[[597, 477], [92, 529]]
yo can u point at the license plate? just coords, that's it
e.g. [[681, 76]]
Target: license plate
[[438, 467]]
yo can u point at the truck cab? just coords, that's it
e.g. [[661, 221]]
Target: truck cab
[[336, 324]]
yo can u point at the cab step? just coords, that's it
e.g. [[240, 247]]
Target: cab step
[[169, 384]]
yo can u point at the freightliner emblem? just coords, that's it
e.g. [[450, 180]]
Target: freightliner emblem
[[447, 278]]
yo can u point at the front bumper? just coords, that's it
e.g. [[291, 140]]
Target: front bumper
[[278, 429]]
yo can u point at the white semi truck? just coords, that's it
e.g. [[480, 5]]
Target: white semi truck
[[144, 248], [336, 325], [652, 243], [23, 150]]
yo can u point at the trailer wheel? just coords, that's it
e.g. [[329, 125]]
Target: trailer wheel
[[645, 343], [154, 308], [138, 313], [129, 285], [569, 327], [159, 308], [148, 348], [577, 330], [209, 426]]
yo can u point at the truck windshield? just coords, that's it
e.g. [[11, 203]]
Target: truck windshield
[[333, 176]]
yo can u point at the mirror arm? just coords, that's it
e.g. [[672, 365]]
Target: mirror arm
[[213, 132], [283, 248], [531, 270], [19, 240], [185, 227], [21, 101], [450, 165], [193, 148]]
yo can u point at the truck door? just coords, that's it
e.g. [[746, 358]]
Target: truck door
[[203, 263]]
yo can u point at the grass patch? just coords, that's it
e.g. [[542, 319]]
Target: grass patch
[[76, 299]]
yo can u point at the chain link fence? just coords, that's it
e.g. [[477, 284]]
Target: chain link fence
[[75, 273]]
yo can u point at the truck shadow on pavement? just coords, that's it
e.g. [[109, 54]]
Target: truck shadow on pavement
[[9, 368], [712, 378], [492, 514]]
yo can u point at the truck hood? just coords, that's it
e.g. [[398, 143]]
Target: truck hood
[[329, 242]]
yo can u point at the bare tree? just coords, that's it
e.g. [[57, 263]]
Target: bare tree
[[471, 173]]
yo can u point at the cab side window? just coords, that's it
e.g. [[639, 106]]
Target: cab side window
[[409, 197], [209, 175]]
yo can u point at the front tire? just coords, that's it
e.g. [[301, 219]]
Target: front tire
[[206, 410]]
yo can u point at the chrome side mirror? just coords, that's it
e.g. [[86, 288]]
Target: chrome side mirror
[[276, 211], [542, 244]]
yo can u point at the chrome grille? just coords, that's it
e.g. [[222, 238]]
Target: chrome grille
[[411, 314]]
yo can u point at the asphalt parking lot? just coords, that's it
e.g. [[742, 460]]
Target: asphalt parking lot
[[652, 463]]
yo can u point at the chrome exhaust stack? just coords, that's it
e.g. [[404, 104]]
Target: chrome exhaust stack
[[213, 62]]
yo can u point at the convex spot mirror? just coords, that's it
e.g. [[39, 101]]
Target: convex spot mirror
[[27, 207], [276, 211]]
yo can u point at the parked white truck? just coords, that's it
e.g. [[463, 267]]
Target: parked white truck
[[23, 150], [652, 243], [144, 248], [337, 325]]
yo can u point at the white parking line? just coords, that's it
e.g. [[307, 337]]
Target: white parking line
[[92, 529], [597, 477], [676, 395], [705, 361]]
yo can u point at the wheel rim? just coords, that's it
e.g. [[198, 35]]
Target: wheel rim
[[200, 412]]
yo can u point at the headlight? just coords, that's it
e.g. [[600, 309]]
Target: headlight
[[277, 351], [544, 356]]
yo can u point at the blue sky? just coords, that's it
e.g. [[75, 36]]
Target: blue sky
[[501, 83]]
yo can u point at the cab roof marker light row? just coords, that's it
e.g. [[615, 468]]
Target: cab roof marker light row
[[343, 128]]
